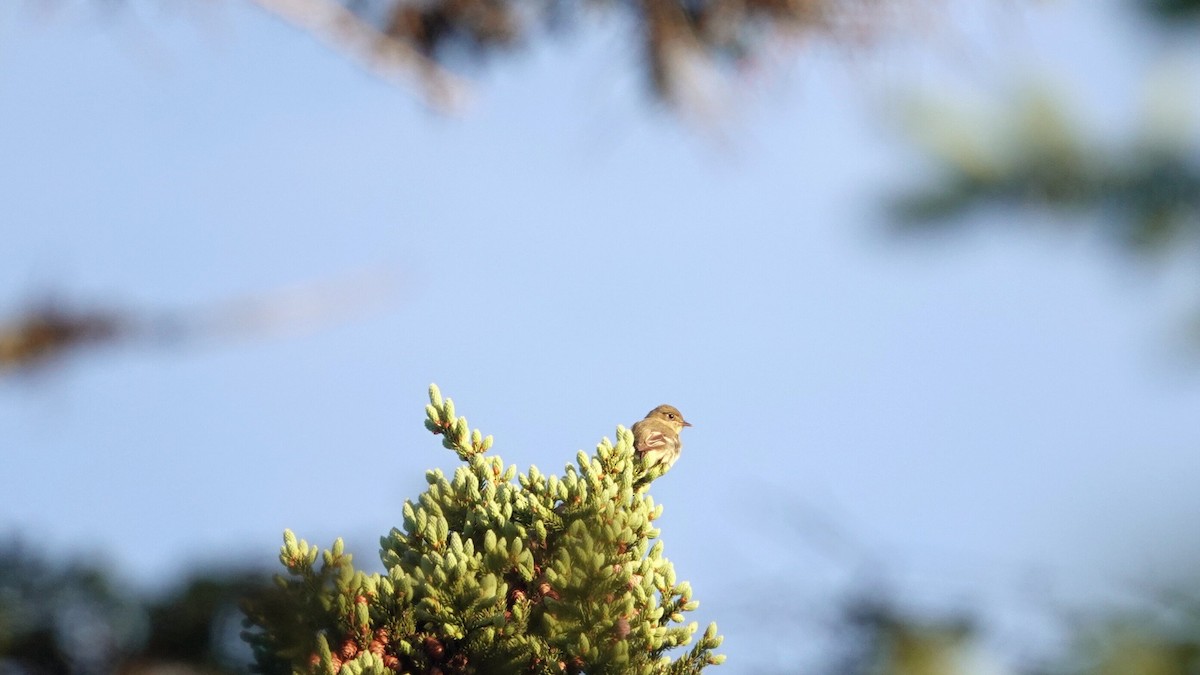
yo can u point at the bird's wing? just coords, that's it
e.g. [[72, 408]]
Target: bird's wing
[[655, 440]]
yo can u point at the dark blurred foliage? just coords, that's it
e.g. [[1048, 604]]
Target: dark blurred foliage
[[681, 41], [1162, 637], [1144, 193], [876, 636], [673, 32], [1174, 10], [77, 618]]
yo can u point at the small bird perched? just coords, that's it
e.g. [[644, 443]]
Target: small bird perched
[[656, 438]]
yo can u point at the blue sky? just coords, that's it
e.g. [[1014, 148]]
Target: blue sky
[[564, 255]]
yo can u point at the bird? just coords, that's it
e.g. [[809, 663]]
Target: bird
[[656, 438]]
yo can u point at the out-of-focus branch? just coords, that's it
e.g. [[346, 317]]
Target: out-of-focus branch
[[687, 45], [691, 50], [44, 333], [387, 56], [49, 331], [1147, 192]]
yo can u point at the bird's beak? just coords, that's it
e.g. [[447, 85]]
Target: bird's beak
[[687, 423]]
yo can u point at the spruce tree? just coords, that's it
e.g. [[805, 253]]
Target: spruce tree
[[546, 574]]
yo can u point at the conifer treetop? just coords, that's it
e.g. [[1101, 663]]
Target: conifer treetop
[[494, 572]]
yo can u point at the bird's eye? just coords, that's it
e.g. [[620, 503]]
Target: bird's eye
[[671, 416]]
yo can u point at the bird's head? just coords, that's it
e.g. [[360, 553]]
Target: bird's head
[[671, 415]]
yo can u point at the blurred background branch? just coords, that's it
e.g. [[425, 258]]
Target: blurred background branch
[[1144, 193], [686, 47], [51, 330], [1028, 152]]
